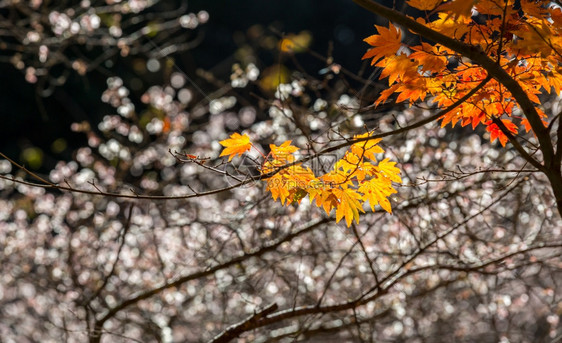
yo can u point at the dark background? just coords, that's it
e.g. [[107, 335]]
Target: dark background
[[30, 120]]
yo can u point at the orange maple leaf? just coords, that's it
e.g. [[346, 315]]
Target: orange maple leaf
[[556, 16], [446, 24], [461, 8], [412, 90], [237, 144], [424, 5], [496, 132], [385, 44], [430, 58], [399, 67]]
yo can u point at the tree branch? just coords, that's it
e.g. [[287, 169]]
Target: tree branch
[[235, 330], [49, 185], [517, 145], [209, 271], [551, 163]]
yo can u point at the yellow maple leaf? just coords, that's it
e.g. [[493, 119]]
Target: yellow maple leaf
[[336, 177], [290, 184], [385, 44], [324, 197], [283, 152], [337, 189], [365, 171], [366, 149], [376, 191], [277, 186], [388, 169], [348, 205], [237, 144], [348, 163]]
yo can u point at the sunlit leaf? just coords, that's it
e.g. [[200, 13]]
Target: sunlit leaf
[[348, 205], [424, 5], [237, 144], [385, 44]]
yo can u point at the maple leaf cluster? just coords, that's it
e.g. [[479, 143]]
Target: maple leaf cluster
[[524, 38], [354, 179]]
